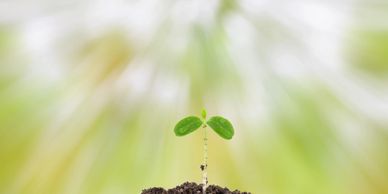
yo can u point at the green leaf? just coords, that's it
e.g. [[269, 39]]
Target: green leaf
[[221, 126], [187, 125]]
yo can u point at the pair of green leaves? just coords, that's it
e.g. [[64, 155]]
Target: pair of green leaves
[[219, 124]]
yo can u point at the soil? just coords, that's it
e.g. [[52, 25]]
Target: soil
[[192, 188]]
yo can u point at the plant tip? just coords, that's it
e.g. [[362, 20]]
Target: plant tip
[[204, 114]]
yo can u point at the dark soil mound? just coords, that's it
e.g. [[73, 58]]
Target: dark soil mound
[[192, 188]]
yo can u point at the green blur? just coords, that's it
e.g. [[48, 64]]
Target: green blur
[[94, 113]]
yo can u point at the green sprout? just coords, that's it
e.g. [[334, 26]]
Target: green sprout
[[219, 124]]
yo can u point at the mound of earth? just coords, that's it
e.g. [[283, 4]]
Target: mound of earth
[[192, 188]]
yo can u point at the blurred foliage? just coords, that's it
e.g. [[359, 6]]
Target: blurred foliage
[[90, 93], [368, 51]]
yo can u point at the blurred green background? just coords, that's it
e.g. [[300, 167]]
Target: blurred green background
[[90, 92]]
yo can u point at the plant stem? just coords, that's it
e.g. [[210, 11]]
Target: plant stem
[[204, 165]]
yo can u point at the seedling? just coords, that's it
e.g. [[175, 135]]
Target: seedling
[[219, 124]]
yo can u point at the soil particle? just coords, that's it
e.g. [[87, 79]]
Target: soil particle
[[192, 188], [202, 167]]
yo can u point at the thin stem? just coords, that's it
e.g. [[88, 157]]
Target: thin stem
[[204, 165]]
